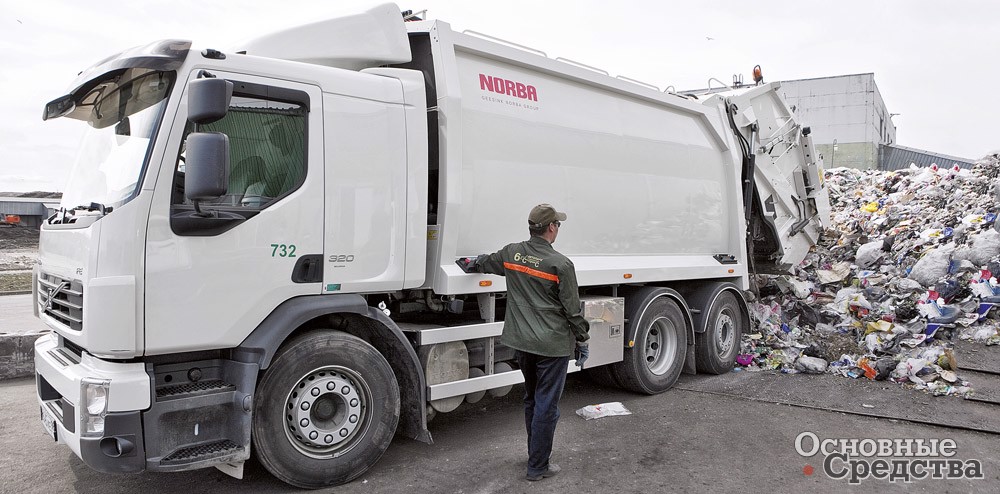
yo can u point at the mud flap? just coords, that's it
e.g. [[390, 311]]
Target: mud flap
[[234, 470]]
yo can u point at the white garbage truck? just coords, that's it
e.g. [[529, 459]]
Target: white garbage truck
[[255, 251]]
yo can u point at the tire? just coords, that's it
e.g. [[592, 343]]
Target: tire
[[717, 347], [331, 388], [654, 363]]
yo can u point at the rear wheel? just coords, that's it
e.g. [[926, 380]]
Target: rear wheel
[[326, 410], [653, 364], [717, 346]]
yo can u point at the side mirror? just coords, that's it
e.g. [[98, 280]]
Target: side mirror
[[206, 174], [208, 99]]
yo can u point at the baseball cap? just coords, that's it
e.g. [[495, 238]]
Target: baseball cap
[[543, 214]]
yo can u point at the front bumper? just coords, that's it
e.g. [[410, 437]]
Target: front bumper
[[59, 373]]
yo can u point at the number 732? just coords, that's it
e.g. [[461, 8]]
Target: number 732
[[282, 250]]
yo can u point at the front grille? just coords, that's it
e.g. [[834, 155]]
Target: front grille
[[61, 299]]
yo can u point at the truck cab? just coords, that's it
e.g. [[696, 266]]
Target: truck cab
[[151, 285]]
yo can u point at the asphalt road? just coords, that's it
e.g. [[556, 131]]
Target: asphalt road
[[17, 317], [679, 441]]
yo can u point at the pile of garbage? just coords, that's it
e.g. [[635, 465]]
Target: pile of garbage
[[909, 265]]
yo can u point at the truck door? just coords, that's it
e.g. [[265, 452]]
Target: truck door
[[370, 192], [209, 281]]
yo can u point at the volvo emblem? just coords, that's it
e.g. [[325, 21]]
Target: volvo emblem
[[52, 294]]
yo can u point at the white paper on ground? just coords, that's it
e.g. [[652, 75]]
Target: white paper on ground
[[603, 410]]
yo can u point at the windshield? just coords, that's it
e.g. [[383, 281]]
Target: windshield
[[124, 112]]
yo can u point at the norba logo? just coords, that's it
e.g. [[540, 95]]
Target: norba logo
[[507, 87]]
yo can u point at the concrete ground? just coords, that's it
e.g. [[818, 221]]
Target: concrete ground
[[679, 441], [19, 328]]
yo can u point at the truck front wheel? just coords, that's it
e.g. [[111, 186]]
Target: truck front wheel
[[652, 364], [325, 411]]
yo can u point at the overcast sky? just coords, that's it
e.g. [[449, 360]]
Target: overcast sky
[[935, 62]]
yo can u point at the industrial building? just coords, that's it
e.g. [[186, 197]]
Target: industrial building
[[29, 211], [851, 126]]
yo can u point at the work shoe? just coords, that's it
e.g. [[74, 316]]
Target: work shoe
[[550, 472]]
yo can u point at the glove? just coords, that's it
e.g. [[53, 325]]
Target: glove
[[581, 353], [468, 264]]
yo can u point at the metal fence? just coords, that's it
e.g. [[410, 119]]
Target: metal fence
[[892, 157]]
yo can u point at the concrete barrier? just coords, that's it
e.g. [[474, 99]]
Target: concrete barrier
[[17, 355]]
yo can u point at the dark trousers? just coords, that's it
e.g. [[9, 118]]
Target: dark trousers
[[544, 378]]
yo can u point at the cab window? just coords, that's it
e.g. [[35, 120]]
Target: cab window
[[267, 147]]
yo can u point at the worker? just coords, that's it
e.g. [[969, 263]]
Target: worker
[[543, 324]]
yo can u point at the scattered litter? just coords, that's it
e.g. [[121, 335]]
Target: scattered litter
[[909, 264], [603, 410]]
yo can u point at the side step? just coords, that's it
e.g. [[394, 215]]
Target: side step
[[193, 389], [217, 450], [200, 416]]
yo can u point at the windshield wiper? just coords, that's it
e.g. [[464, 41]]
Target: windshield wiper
[[94, 206], [66, 216]]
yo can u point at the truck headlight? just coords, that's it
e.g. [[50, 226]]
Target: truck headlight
[[93, 406]]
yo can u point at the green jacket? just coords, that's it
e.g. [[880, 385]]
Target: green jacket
[[543, 300]]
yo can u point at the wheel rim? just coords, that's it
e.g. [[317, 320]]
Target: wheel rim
[[327, 412], [725, 330], [660, 346]]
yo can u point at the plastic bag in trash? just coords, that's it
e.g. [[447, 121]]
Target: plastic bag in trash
[[933, 266], [603, 410], [811, 365], [985, 247], [869, 254]]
